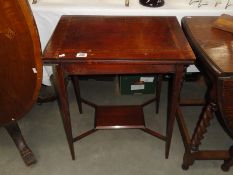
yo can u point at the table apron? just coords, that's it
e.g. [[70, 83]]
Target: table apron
[[90, 69]]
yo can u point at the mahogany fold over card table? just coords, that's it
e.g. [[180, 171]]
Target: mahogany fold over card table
[[100, 45]]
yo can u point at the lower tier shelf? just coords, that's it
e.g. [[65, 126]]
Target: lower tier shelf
[[117, 117]]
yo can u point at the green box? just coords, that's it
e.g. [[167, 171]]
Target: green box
[[137, 84]]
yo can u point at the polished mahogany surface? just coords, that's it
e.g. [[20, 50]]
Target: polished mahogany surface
[[84, 45], [20, 60], [119, 38], [215, 50], [116, 117], [215, 44]]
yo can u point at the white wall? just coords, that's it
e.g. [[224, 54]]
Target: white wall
[[48, 12]]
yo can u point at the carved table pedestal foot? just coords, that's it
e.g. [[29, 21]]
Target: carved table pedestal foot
[[26, 153]]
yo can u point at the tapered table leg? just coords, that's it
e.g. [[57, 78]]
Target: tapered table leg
[[75, 81], [25, 152], [173, 104], [64, 106], [158, 91]]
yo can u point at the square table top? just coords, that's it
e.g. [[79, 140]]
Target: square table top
[[115, 38]]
